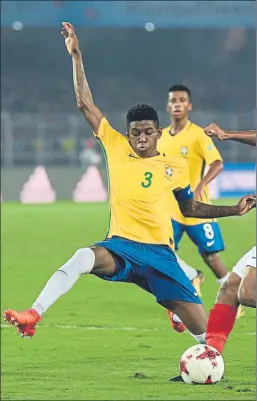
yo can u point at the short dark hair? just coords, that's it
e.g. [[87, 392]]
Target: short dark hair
[[142, 112], [180, 87]]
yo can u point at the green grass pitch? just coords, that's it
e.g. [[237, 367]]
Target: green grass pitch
[[105, 341]]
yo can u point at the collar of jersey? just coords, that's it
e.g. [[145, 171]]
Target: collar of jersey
[[186, 127]]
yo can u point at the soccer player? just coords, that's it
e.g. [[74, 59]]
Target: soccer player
[[137, 248], [188, 141], [240, 288]]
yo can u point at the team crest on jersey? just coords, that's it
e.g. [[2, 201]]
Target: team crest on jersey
[[184, 150], [168, 171]]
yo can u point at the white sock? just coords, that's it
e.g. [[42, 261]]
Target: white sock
[[82, 262], [189, 271], [200, 338], [222, 280]]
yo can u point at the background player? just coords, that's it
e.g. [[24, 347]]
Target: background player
[[241, 285], [187, 140], [137, 248]]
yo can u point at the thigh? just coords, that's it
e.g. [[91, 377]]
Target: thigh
[[178, 230], [174, 286], [248, 282], [249, 259], [207, 237], [228, 292], [114, 259], [105, 262]]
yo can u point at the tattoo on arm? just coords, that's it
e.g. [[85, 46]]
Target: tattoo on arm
[[83, 94], [193, 208]]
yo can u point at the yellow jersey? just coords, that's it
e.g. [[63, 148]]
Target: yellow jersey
[[140, 189], [197, 149]]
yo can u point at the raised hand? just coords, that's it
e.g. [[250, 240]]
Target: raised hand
[[71, 40]]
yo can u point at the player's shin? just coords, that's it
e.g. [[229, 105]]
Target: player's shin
[[82, 262], [220, 324]]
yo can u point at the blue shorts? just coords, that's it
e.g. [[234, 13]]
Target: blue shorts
[[206, 236], [152, 267]]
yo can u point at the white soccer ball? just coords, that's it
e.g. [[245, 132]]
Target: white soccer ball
[[201, 364]]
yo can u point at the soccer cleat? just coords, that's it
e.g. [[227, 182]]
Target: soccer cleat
[[24, 321], [178, 326], [198, 281], [240, 311], [176, 379]]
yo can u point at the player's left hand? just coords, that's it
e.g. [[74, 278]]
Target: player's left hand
[[246, 203], [198, 191]]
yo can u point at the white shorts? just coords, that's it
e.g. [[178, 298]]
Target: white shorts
[[249, 259]]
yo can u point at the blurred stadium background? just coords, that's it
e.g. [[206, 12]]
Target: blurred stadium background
[[133, 52]]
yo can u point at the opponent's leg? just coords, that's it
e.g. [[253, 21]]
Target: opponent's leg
[[223, 314], [247, 288], [84, 261]]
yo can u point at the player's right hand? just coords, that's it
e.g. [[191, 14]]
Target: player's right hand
[[71, 40], [246, 203], [213, 130]]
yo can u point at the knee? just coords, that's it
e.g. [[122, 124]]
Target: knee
[[83, 253], [247, 296], [228, 292], [210, 258], [80, 263]]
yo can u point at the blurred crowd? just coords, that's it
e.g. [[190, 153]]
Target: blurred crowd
[[124, 67], [127, 66]]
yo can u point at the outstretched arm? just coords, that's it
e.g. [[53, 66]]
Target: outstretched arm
[[193, 208], [83, 93], [246, 137]]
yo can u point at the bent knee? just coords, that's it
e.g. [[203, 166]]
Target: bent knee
[[247, 296], [228, 293]]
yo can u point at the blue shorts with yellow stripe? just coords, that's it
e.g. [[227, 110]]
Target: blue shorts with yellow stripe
[[152, 267]]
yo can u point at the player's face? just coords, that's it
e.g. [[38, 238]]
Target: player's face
[[179, 104], [143, 137]]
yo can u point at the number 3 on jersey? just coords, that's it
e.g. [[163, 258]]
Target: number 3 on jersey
[[148, 180]]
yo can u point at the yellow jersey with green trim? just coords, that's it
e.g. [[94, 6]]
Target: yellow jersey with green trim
[[197, 149], [140, 189]]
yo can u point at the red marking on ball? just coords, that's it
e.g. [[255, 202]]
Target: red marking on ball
[[208, 380], [183, 367], [208, 353]]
